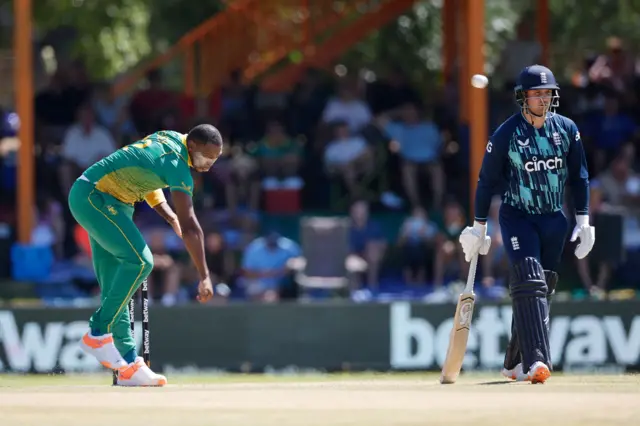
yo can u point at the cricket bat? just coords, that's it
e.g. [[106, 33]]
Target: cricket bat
[[460, 331]]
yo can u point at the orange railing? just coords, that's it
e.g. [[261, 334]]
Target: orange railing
[[255, 36], [297, 28], [186, 48]]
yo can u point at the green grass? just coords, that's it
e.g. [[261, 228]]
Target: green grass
[[100, 379], [22, 380]]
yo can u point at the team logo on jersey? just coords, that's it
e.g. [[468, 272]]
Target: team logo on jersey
[[489, 146], [557, 139], [523, 143], [112, 211], [577, 136], [515, 244]]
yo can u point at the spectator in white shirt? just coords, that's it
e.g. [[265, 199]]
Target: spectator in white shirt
[[349, 157], [347, 107], [84, 143]]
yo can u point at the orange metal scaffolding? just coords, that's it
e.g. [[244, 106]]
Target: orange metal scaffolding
[[477, 101], [23, 83], [463, 33], [463, 50]]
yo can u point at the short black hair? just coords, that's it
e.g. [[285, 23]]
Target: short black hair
[[205, 133]]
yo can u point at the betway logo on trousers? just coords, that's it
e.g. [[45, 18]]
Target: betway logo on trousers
[[582, 340], [543, 164], [44, 347]]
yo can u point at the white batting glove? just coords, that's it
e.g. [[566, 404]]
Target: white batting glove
[[474, 240], [587, 235]]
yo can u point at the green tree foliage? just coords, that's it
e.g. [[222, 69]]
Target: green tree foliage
[[579, 27], [576, 28], [114, 35], [109, 35], [415, 40], [171, 19]]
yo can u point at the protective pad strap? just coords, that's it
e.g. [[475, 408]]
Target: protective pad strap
[[528, 279], [551, 277]]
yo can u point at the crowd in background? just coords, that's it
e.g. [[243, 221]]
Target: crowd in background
[[368, 150]]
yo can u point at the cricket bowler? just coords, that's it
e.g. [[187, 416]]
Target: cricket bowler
[[102, 201], [529, 160]]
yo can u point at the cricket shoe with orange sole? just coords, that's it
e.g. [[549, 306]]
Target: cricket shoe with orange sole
[[103, 349], [515, 373], [139, 374], [538, 373]]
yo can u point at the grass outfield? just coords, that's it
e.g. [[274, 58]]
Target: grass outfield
[[20, 380], [309, 400]]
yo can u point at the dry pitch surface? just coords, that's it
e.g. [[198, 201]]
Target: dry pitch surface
[[359, 400]]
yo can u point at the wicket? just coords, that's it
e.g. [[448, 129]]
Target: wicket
[[146, 343]]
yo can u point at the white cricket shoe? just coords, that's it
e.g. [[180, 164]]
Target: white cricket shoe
[[515, 373], [103, 349], [139, 374], [539, 372]]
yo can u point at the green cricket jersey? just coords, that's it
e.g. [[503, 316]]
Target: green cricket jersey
[[140, 170]]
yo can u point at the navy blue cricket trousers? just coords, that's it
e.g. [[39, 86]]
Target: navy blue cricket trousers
[[541, 236]]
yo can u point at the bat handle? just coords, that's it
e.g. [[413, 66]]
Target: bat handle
[[471, 278]]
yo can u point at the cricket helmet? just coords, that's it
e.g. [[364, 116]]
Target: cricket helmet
[[536, 77]]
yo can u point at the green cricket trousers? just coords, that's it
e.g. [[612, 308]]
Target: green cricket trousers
[[121, 258]]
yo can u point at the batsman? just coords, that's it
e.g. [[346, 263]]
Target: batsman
[[530, 159], [102, 201]]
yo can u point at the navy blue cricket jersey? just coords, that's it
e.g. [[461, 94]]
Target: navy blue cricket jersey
[[530, 167]]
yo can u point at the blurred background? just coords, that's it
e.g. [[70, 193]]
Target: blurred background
[[346, 167]]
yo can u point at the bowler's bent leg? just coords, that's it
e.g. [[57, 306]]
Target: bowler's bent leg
[[109, 223], [115, 231], [106, 266]]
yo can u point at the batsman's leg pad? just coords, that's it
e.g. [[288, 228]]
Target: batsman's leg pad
[[513, 357], [530, 310], [528, 279]]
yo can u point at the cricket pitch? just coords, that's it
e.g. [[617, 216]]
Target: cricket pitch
[[358, 400]]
